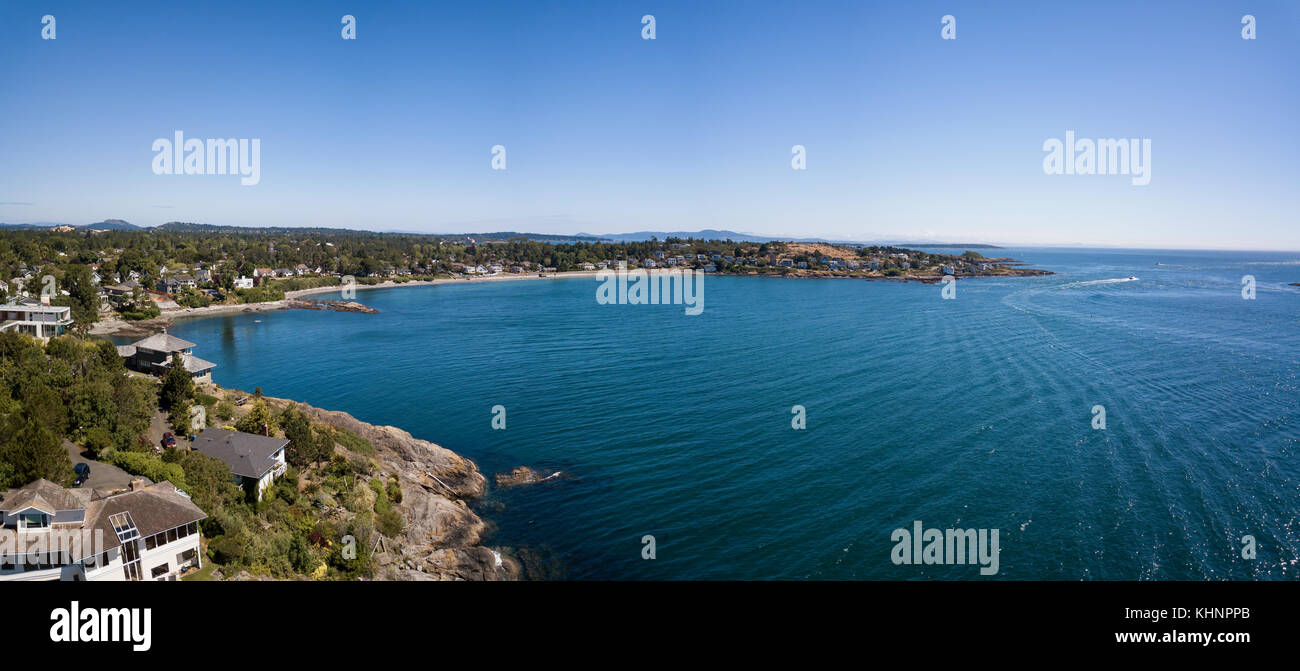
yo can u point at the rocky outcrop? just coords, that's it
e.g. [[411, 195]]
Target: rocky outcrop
[[442, 535], [523, 475]]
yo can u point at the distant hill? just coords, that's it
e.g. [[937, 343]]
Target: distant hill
[[111, 225], [706, 234], [105, 225]]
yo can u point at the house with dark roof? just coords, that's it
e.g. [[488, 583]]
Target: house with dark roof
[[48, 532], [255, 461], [153, 355]]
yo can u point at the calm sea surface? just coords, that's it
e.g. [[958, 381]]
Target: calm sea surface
[[969, 413]]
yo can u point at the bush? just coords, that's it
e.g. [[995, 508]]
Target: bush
[[353, 442], [139, 463], [98, 440], [390, 522]]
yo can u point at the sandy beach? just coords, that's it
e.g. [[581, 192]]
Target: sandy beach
[[146, 327]]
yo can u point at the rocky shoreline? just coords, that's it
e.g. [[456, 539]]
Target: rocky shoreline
[[442, 537]]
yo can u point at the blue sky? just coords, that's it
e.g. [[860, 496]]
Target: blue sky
[[908, 136]]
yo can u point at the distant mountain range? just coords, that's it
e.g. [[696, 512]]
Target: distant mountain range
[[713, 234], [105, 225], [501, 236]]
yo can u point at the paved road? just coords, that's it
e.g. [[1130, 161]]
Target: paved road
[[102, 475]]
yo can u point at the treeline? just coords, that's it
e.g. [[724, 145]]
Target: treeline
[[354, 253], [66, 390]]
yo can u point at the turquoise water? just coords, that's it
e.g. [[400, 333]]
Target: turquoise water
[[971, 413]]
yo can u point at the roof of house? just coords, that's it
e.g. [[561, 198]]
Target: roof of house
[[155, 508], [44, 496], [162, 342], [247, 454], [126, 351], [192, 363]]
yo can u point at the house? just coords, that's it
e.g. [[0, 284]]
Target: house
[[150, 532], [37, 319], [203, 275], [786, 263], [168, 285], [282, 272], [263, 272], [710, 268], [301, 269], [588, 266], [256, 461], [242, 282], [153, 355]]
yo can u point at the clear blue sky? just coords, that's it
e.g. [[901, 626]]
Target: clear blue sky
[[908, 135]]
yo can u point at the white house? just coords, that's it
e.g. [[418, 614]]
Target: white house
[[48, 532], [242, 282], [254, 460], [38, 319]]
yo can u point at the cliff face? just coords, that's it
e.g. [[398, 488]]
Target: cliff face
[[441, 539]]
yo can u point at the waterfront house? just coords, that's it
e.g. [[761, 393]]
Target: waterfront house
[[242, 282], [153, 355], [149, 532], [259, 273], [255, 461], [38, 319]]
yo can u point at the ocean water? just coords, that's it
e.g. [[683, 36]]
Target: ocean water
[[967, 413]]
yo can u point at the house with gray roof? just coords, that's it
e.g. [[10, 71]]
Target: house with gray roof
[[149, 532], [153, 355], [255, 461]]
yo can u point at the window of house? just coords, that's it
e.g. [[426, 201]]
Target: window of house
[[34, 521], [158, 571], [171, 535], [151, 542]]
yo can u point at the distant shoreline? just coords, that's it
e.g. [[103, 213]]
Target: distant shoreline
[[109, 327]]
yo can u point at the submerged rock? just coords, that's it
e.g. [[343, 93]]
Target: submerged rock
[[523, 475]]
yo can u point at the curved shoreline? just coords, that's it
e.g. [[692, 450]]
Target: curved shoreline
[[114, 326]]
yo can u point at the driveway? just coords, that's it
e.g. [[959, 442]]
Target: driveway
[[102, 476]]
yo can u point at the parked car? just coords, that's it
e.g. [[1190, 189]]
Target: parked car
[[168, 440], [83, 473]]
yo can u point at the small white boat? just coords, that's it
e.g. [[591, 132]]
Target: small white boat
[[1132, 278]]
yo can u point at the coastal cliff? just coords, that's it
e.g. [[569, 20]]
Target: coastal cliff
[[442, 537]]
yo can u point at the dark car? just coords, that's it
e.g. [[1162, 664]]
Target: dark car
[[83, 472], [168, 440]]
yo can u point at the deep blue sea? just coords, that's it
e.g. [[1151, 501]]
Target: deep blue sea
[[974, 412]]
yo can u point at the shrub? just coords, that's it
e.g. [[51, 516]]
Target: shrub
[[390, 522], [139, 463]]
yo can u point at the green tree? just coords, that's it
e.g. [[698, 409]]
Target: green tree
[[297, 428], [177, 385], [208, 481], [258, 420], [33, 451]]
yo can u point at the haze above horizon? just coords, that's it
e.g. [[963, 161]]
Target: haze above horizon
[[908, 137]]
